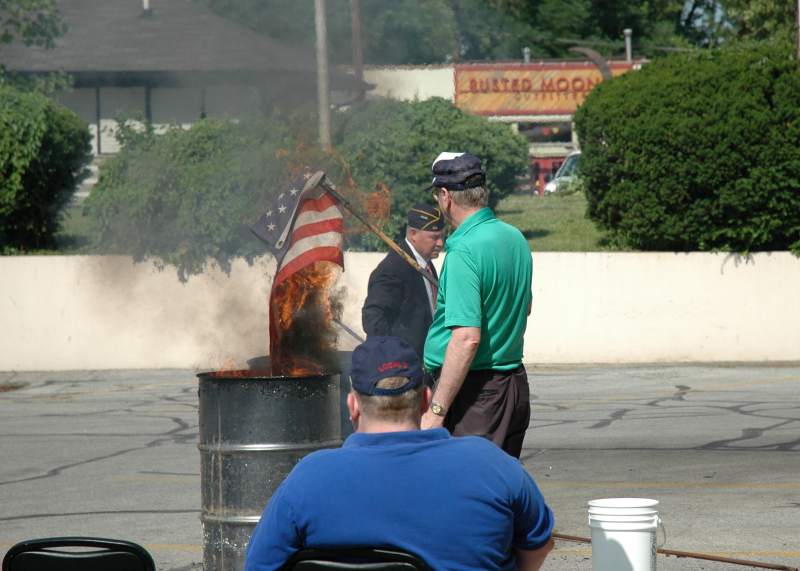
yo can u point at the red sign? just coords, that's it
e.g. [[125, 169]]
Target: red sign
[[545, 88]]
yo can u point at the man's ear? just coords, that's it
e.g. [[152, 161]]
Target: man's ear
[[425, 401], [353, 409]]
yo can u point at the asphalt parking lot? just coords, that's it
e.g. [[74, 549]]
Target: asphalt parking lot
[[114, 454]]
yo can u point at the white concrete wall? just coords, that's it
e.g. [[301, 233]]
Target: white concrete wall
[[406, 83], [106, 312]]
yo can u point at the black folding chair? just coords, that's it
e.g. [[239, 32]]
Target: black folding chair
[[77, 554], [356, 559]]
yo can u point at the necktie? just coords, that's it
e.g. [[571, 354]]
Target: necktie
[[434, 289]]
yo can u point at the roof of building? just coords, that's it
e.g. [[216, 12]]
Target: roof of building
[[173, 37]]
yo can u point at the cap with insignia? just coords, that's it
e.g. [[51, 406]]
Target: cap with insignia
[[425, 217]]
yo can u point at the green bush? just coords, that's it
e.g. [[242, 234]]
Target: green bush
[[394, 143], [187, 196], [697, 152], [43, 151]]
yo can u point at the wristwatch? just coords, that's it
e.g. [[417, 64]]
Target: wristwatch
[[437, 409]]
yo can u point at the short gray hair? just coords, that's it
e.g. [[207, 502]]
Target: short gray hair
[[475, 197], [393, 408]]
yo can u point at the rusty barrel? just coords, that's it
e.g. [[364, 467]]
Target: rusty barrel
[[253, 429]]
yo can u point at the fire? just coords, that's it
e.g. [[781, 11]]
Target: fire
[[304, 339], [230, 369]]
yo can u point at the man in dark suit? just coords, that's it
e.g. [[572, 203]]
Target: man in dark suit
[[400, 302]]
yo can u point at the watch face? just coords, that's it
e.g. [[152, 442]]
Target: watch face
[[436, 408]]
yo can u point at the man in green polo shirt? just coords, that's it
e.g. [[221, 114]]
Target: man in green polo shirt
[[474, 345]]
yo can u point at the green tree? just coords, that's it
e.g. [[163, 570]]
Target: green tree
[[697, 152], [394, 143], [438, 31], [34, 22], [761, 19], [187, 196], [401, 31]]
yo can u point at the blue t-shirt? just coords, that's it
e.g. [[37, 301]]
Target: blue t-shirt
[[458, 503]]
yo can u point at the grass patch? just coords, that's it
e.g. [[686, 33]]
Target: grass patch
[[74, 236], [552, 223]]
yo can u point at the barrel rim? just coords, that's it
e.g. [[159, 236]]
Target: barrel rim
[[253, 375]]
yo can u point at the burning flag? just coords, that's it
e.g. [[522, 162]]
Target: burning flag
[[303, 226], [303, 230]]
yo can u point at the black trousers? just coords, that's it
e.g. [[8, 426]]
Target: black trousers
[[495, 405]]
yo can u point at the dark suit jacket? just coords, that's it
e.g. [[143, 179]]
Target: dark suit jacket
[[397, 302]]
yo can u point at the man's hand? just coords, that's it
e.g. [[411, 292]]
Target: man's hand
[[430, 420], [458, 357]]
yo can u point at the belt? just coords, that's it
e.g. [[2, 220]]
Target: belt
[[436, 372]]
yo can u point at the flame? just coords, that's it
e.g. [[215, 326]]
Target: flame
[[375, 204], [230, 369], [304, 339]]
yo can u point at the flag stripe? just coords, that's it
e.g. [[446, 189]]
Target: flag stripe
[[305, 216], [321, 227], [321, 254], [319, 204], [309, 243]]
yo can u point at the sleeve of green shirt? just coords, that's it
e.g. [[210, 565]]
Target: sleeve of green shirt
[[463, 291]]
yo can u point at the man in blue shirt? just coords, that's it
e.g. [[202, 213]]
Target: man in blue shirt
[[458, 503]]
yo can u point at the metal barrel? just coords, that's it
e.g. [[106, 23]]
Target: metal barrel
[[253, 430]]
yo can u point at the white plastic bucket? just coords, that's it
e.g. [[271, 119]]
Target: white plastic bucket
[[623, 534]]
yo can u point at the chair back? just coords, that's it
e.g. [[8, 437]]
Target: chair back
[[356, 559], [77, 554]]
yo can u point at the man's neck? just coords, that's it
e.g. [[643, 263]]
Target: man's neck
[[419, 257], [377, 426], [461, 214]]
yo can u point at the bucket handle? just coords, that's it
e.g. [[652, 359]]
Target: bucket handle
[[663, 528]]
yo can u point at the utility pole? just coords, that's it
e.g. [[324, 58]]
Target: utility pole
[[358, 54], [323, 87]]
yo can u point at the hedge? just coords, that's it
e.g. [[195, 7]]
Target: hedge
[[697, 151], [43, 151], [188, 196]]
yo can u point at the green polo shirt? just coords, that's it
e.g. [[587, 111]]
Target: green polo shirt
[[485, 282]]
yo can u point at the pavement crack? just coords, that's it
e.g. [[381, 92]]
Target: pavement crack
[[97, 512]]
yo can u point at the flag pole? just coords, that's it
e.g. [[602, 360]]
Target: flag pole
[[325, 183]]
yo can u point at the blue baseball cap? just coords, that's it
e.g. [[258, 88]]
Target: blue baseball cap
[[457, 171], [382, 357]]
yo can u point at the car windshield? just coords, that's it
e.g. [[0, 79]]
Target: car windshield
[[569, 167]]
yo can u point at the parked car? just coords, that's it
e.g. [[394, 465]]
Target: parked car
[[566, 173]]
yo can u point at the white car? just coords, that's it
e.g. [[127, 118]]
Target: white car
[[565, 174]]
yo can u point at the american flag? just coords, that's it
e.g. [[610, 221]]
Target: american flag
[[302, 226]]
